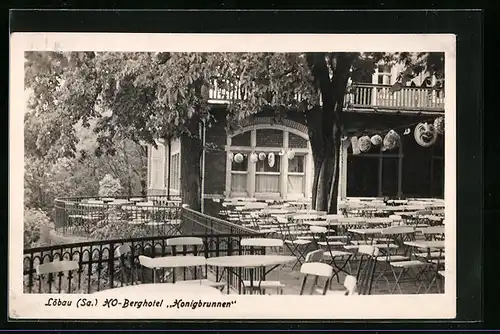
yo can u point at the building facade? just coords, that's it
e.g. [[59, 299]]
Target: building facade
[[409, 170]]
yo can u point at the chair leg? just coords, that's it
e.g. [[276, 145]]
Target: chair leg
[[398, 278]]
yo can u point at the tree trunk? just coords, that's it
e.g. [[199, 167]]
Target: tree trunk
[[317, 170], [190, 166], [313, 120], [324, 131], [334, 189]]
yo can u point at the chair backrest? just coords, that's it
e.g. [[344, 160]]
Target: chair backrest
[[255, 205], [123, 250], [398, 230], [145, 261], [314, 256], [317, 229], [368, 250], [262, 242], [350, 284], [282, 219], [366, 269], [56, 267], [185, 241], [433, 230], [317, 269]]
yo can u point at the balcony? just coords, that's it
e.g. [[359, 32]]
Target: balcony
[[371, 96], [364, 97]]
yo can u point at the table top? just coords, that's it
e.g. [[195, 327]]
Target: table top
[[351, 220], [434, 217], [306, 216], [366, 230], [426, 244], [242, 261], [378, 220], [321, 222], [160, 289], [405, 213], [175, 261]]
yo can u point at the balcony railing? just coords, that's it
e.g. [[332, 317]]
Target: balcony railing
[[101, 268], [408, 98], [142, 215], [362, 96], [156, 216]]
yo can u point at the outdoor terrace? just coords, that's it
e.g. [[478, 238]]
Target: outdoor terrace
[[281, 237]]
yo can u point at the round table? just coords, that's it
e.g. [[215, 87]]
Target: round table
[[160, 289], [251, 262]]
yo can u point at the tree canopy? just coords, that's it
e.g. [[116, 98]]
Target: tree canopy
[[146, 96]]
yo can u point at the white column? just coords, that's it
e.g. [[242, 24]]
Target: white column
[[284, 167], [149, 165], [374, 89], [251, 166], [394, 74], [309, 172], [343, 173], [162, 157], [228, 167]]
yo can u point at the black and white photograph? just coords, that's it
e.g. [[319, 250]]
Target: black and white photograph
[[232, 176]]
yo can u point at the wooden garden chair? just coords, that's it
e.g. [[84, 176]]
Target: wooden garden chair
[[59, 268]]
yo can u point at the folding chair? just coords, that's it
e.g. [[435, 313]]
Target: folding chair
[[57, 267], [349, 285], [264, 284], [365, 273], [316, 269], [320, 233], [435, 258], [194, 242], [297, 247], [396, 220], [396, 257], [127, 267], [433, 233]]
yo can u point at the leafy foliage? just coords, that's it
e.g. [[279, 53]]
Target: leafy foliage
[[37, 227], [109, 186], [145, 96]]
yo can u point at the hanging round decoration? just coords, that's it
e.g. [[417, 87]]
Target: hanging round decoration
[[270, 159], [262, 156], [391, 140], [254, 158], [231, 156], [439, 125], [376, 140], [238, 158], [355, 146], [364, 144], [425, 135], [291, 155]]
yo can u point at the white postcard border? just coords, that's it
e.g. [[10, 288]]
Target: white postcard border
[[27, 306]]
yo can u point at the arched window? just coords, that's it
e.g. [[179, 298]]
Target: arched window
[[284, 165]]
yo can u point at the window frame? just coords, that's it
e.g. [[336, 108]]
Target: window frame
[[253, 174]]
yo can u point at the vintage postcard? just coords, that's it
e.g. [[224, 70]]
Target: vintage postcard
[[230, 176]]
